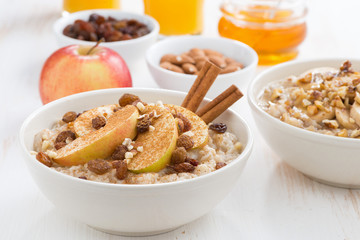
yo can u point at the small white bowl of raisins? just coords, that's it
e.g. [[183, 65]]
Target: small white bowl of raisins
[[129, 34]]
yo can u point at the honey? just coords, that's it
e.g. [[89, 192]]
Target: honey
[[176, 17], [273, 32], [78, 5]]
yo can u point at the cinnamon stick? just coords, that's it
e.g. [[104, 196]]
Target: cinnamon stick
[[203, 82], [222, 102]]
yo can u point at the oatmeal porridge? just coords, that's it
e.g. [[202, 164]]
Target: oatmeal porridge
[[324, 100], [136, 143]]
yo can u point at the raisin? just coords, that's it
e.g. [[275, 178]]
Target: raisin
[[65, 135], [117, 109], [185, 141], [187, 123], [346, 67], [83, 177], [44, 159], [192, 161], [218, 127], [179, 155], [181, 126], [69, 117], [119, 153], [59, 145], [121, 170], [98, 122], [127, 99], [99, 166], [183, 167], [143, 125], [220, 165], [96, 18]]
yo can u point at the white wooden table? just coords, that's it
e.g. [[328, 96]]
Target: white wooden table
[[271, 200]]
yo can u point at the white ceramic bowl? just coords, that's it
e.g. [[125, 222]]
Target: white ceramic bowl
[[130, 209], [182, 82], [131, 50], [329, 159]]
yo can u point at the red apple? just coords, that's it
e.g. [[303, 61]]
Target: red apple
[[76, 68]]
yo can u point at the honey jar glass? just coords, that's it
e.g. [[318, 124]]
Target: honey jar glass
[[274, 28], [176, 17], [70, 6]]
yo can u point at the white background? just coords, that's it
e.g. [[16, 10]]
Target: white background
[[271, 200]]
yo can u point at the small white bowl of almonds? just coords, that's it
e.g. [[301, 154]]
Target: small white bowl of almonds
[[175, 62], [309, 113]]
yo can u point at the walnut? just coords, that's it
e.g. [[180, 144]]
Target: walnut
[[185, 141]]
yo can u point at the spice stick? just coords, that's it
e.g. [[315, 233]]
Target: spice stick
[[203, 82], [216, 107]]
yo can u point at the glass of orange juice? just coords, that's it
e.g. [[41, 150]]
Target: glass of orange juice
[[274, 28], [176, 17], [70, 6]]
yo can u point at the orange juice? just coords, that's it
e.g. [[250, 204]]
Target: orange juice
[[176, 17], [274, 33], [78, 5]]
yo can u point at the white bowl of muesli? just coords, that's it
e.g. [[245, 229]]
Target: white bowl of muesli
[[309, 113], [132, 161]]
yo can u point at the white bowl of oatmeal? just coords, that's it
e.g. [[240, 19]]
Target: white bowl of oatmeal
[[307, 113], [149, 203]]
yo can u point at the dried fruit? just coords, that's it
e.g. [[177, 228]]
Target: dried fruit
[[218, 127], [219, 165], [119, 153], [179, 155], [185, 141], [128, 99], [99, 166], [121, 170], [98, 122], [83, 177], [63, 138], [181, 126], [187, 123], [44, 159], [192, 161], [183, 167], [69, 117], [143, 125]]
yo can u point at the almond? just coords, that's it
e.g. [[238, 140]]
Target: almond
[[230, 69], [209, 52], [200, 64], [171, 67], [196, 52], [218, 61], [189, 68]]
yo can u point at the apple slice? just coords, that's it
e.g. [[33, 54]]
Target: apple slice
[[199, 129], [83, 124], [158, 144], [100, 143]]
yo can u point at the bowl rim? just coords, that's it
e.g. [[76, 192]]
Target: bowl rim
[[242, 157], [63, 21], [299, 132], [158, 44]]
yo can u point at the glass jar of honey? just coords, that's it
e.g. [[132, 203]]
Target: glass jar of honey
[[70, 6], [176, 17], [274, 28]]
